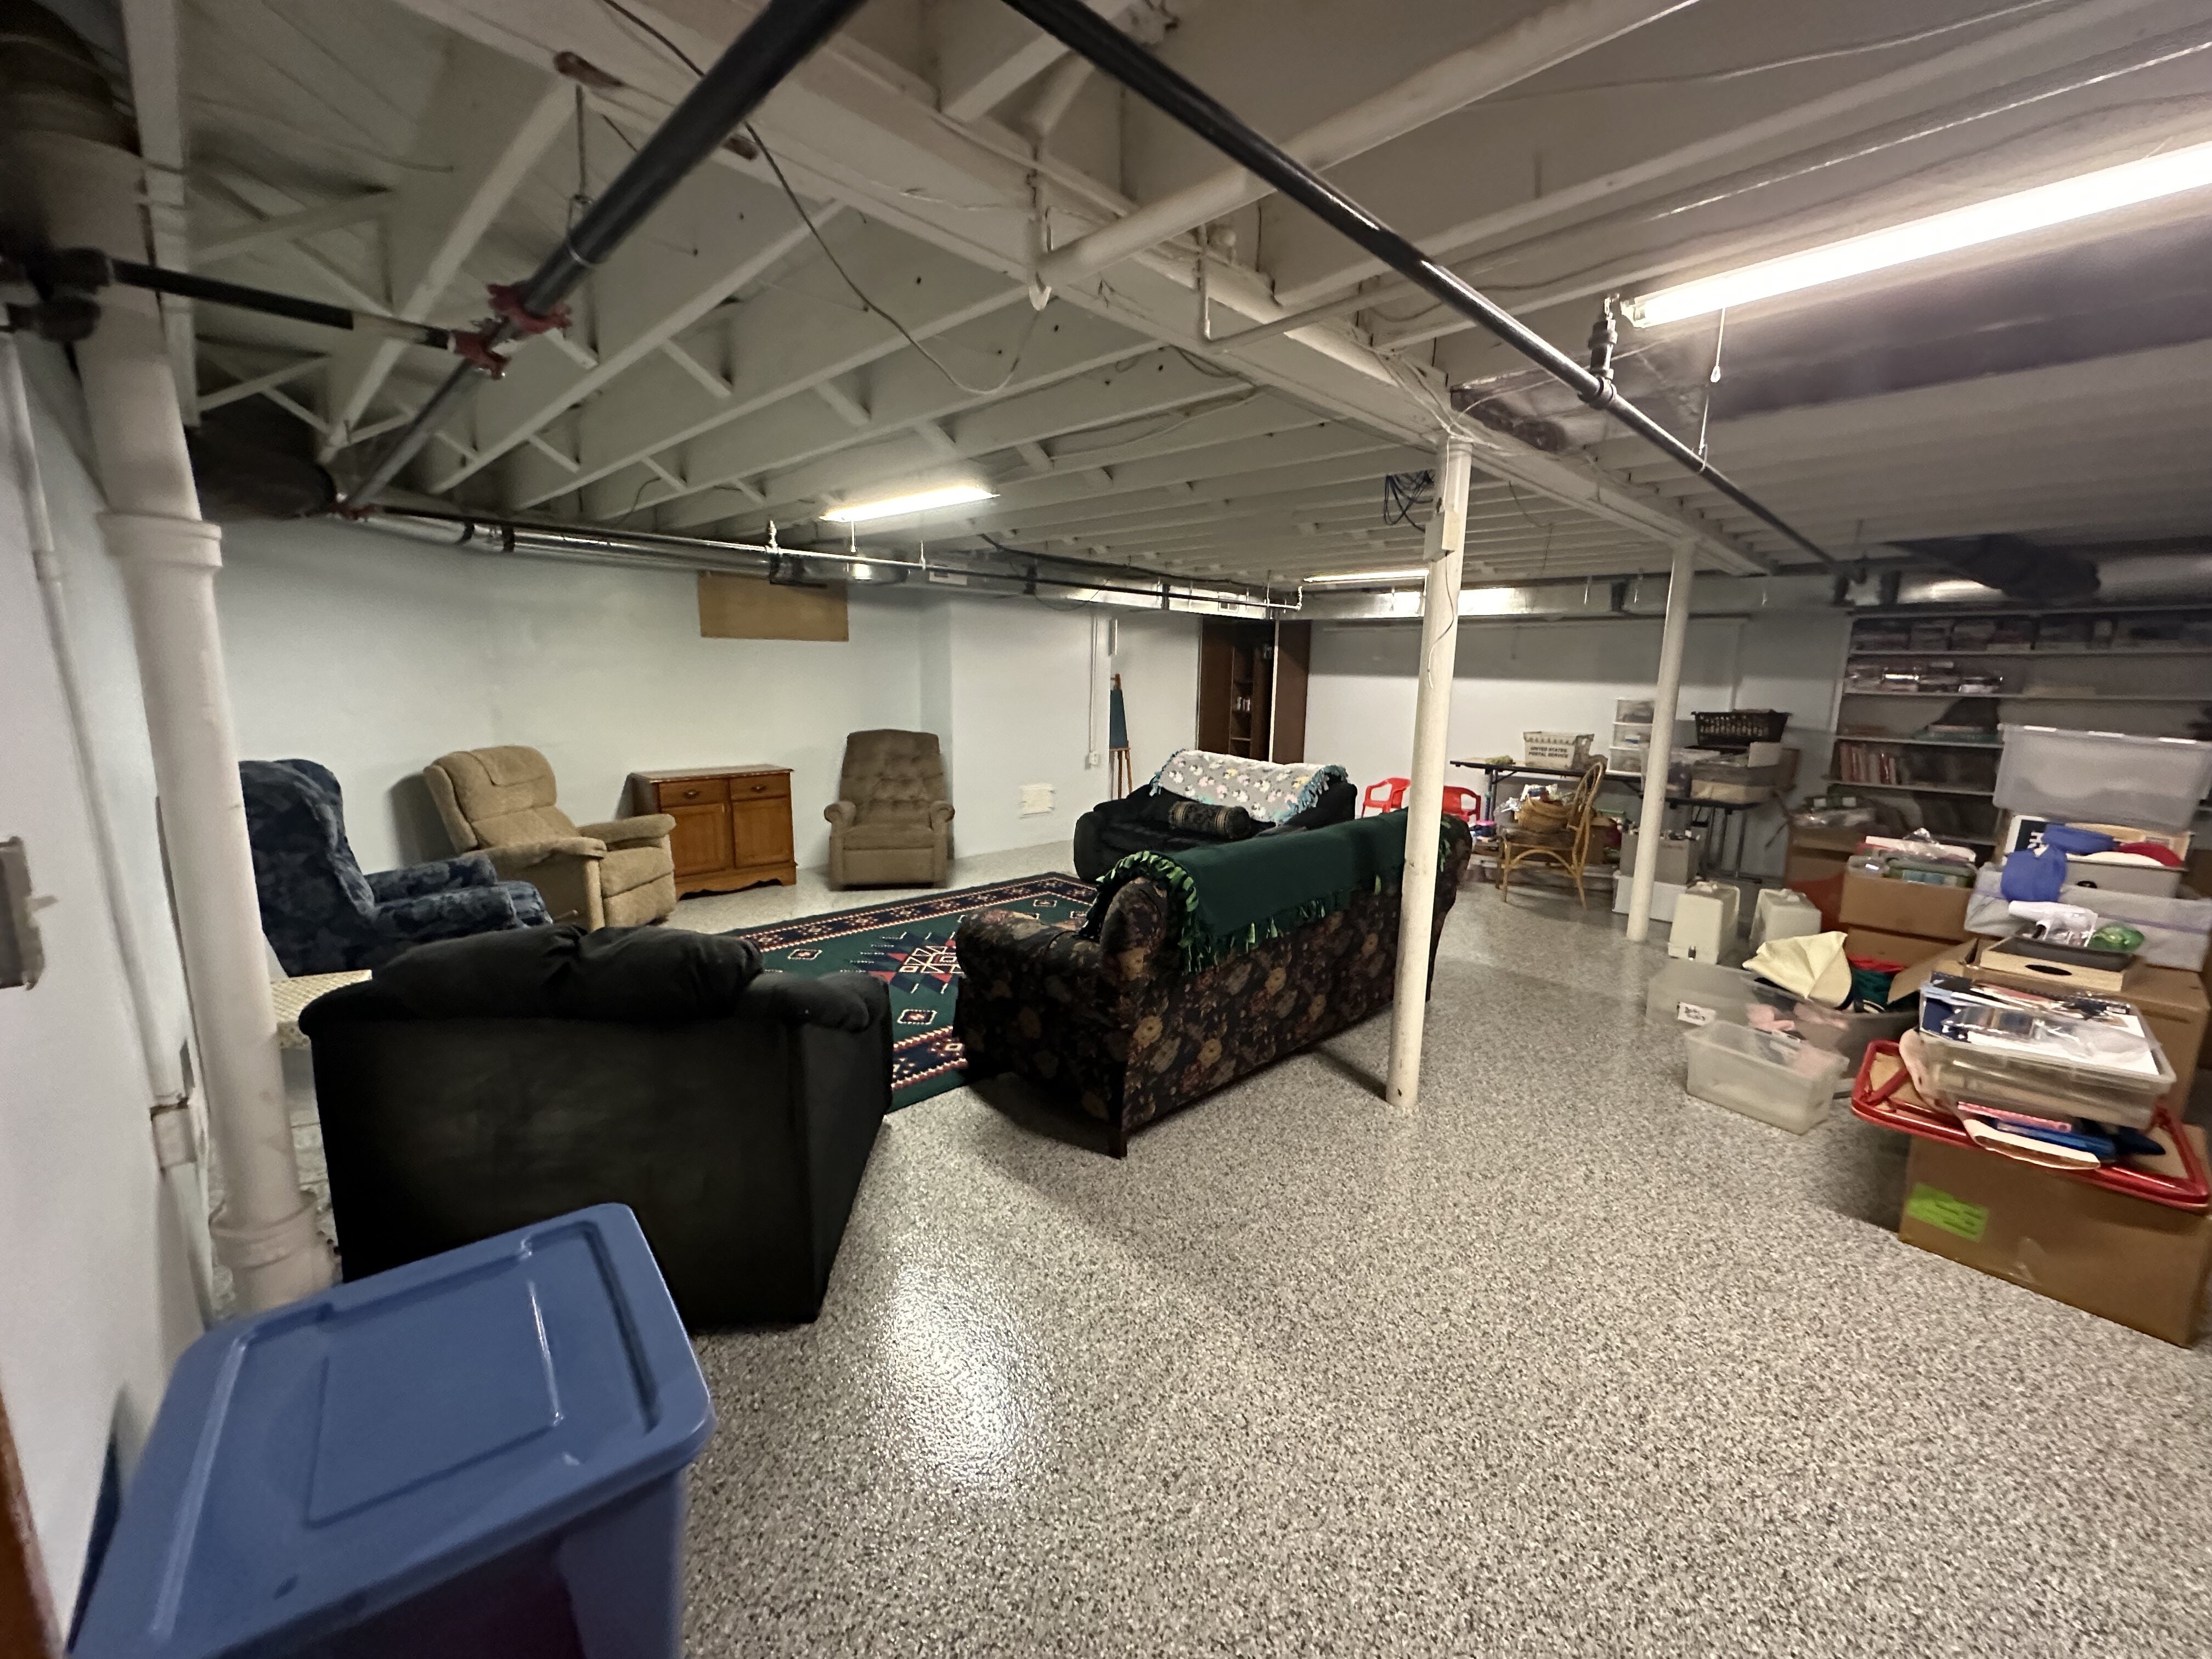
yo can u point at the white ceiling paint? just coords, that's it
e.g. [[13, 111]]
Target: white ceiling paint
[[719, 373]]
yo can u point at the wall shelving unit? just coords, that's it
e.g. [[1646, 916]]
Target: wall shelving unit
[[1924, 689]]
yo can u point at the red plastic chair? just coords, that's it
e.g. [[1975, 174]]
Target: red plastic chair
[[1465, 805], [1387, 796]]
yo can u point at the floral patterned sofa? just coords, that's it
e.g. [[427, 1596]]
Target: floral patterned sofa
[[1119, 1026]]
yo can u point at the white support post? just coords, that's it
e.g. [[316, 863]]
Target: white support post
[[1651, 824], [1425, 798], [87, 188]]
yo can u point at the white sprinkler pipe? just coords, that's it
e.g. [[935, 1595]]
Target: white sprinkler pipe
[[1528, 47], [1424, 795], [87, 189], [1651, 823]]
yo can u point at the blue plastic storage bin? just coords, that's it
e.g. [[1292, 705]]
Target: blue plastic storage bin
[[480, 1454]]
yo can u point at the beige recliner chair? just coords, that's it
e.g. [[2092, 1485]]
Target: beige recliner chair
[[890, 825], [617, 874]]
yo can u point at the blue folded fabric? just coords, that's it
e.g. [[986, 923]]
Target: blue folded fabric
[[2072, 838], [2034, 874]]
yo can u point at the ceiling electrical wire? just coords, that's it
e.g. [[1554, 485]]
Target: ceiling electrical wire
[[1711, 77], [1029, 328], [1403, 493]]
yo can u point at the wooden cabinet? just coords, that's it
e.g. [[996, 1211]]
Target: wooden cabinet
[[1252, 688], [732, 825]]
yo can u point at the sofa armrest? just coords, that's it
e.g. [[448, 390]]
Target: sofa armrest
[[458, 913], [1013, 954], [643, 830], [518, 856], [940, 814], [840, 814], [440, 876]]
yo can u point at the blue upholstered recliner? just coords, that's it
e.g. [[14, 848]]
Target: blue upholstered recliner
[[322, 915]]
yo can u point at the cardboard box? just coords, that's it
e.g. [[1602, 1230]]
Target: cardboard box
[[2172, 1003], [1816, 855], [1905, 948], [1914, 908], [2138, 1264]]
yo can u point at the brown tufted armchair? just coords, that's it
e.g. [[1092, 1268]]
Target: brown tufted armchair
[[890, 825], [617, 874]]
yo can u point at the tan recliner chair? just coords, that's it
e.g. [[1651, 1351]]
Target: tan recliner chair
[[890, 825], [617, 874]]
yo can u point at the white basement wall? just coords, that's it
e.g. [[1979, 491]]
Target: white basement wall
[[375, 656], [1017, 692], [1516, 677], [96, 1300]]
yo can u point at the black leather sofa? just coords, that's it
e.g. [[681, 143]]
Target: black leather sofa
[[1149, 820], [476, 1085]]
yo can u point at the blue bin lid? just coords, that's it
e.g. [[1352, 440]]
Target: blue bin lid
[[328, 1459]]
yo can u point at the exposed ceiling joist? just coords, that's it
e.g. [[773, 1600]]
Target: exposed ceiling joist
[[489, 120]]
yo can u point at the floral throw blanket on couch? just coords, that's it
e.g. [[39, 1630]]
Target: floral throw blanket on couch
[[1271, 791]]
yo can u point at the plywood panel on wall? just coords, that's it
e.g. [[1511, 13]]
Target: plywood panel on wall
[[754, 608]]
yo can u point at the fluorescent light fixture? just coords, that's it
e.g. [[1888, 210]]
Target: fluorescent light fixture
[[894, 506], [1348, 577], [1942, 232]]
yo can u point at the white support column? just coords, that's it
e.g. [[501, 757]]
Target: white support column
[[86, 190], [1652, 823], [1425, 799]]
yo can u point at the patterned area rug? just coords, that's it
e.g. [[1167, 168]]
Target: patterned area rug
[[907, 944]]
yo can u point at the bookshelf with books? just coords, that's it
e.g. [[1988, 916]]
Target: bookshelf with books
[[1924, 692]]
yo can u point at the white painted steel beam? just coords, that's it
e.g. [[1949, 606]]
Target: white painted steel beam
[[1424, 795], [1651, 823]]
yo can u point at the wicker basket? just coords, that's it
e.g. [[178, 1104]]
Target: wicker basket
[[1567, 751], [1740, 728]]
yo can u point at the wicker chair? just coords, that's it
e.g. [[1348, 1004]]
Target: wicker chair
[[1568, 846]]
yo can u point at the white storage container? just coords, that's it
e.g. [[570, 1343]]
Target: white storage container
[[2103, 777], [1839, 1031], [1776, 1080], [2177, 932], [1678, 857], [1687, 993], [1634, 710], [1565, 750], [1704, 922], [1628, 736], [1663, 894], [2051, 1084]]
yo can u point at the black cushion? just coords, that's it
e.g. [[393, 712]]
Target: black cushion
[[638, 975]]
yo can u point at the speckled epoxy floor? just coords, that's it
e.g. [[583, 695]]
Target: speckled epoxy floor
[[1565, 1363]]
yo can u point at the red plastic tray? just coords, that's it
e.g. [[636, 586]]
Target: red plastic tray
[[1876, 1104]]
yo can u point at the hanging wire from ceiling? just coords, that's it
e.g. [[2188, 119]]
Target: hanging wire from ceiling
[[1403, 494], [868, 301], [1829, 54]]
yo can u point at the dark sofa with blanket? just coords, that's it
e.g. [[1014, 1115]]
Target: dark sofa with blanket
[[481, 1084], [1199, 798], [1193, 970]]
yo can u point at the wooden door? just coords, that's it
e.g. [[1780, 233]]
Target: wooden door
[[1293, 658], [701, 843], [762, 825], [1217, 651]]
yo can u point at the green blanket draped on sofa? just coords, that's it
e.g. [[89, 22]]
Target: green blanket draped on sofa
[[1236, 897]]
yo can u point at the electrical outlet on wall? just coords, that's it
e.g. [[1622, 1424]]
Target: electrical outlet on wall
[[1094, 760], [1037, 800]]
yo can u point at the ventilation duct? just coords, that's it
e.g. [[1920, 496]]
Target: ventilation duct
[[982, 574], [2015, 567]]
